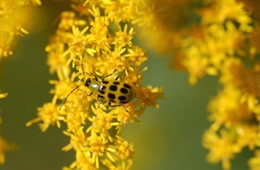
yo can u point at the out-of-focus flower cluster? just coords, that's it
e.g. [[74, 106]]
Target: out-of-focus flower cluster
[[14, 16], [95, 38], [222, 39], [4, 147], [226, 47]]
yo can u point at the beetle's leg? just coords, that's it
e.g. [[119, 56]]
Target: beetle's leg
[[109, 103], [83, 91], [117, 77], [98, 101], [125, 108]]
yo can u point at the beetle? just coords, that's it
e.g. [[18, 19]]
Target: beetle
[[112, 91]]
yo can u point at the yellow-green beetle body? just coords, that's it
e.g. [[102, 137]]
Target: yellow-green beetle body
[[117, 92]]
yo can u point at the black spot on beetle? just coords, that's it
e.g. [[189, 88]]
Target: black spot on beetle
[[111, 96], [113, 88], [101, 91], [127, 86], [122, 98], [123, 102], [105, 82], [116, 83], [124, 90]]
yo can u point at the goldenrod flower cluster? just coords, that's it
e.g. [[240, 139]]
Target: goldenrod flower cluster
[[95, 39], [223, 45], [13, 17]]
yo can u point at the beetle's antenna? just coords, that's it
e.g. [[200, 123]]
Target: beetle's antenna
[[65, 99], [83, 70], [109, 74], [82, 66]]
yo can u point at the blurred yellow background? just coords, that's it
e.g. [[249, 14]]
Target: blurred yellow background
[[167, 139]]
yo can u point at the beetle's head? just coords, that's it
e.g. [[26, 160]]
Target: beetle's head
[[88, 81]]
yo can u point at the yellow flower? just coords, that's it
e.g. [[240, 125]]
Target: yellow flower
[[101, 122], [124, 148], [222, 148], [148, 96], [4, 146], [254, 162], [13, 17], [3, 95], [49, 115]]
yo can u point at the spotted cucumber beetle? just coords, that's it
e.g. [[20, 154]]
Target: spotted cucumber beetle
[[113, 91]]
